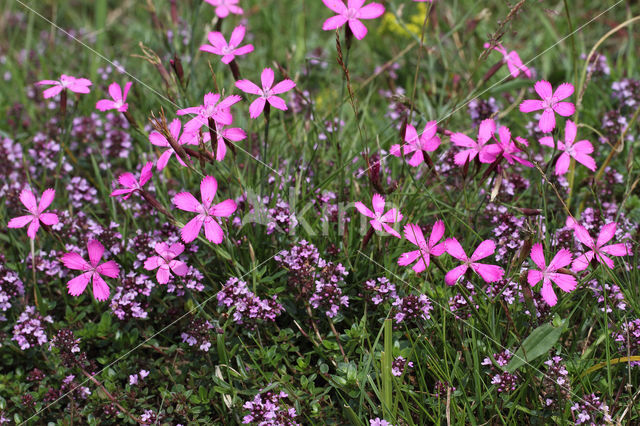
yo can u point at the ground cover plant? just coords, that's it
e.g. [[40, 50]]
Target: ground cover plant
[[319, 212]]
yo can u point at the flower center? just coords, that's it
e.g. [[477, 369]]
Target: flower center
[[228, 49], [351, 13]]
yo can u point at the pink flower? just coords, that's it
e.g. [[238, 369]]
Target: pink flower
[[219, 112], [549, 273], [119, 98], [36, 212], [550, 102], [166, 262], [512, 60], [76, 85], [206, 212], [380, 219], [158, 139], [426, 249], [351, 13], [224, 7], [91, 270], [228, 51], [267, 93], [486, 153], [427, 141], [579, 150], [131, 184], [598, 249], [233, 134], [507, 147], [489, 273]]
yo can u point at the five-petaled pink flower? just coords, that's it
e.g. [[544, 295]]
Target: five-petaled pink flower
[[91, 270], [486, 153], [380, 219], [207, 212], [166, 262], [76, 85], [489, 273], [597, 248], [426, 249], [228, 51], [158, 139], [131, 184], [223, 134], [351, 14], [578, 150], [225, 7], [267, 92], [550, 273], [218, 111], [428, 141], [119, 98], [512, 59], [507, 148], [36, 212], [550, 103]]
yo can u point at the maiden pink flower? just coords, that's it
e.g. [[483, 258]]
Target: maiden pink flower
[[426, 248], [267, 92], [549, 273], [228, 51], [597, 248], [579, 150], [36, 212], [206, 212], [131, 184], [118, 97], [489, 273], [428, 141], [158, 139], [225, 7], [233, 134], [513, 61], [166, 262], [76, 85], [507, 147], [380, 219], [486, 153], [550, 103], [91, 271], [351, 14], [220, 112]]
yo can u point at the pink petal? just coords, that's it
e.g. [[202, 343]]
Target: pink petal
[[615, 250], [460, 139], [256, 107], [430, 144], [208, 189], [533, 277], [537, 255], [213, 231], [437, 232], [421, 264], [179, 268], [531, 105], [371, 11], [49, 218], [20, 221], [153, 262], [29, 200], [335, 5], [363, 209], [243, 50], [570, 131], [489, 273], [115, 91], [564, 109], [267, 78], [100, 288], [416, 159], [607, 232], [33, 229], [566, 282], [437, 250], [126, 90], [357, 28], [563, 91], [277, 102], [226, 103], [605, 260], [390, 230], [77, 285], [217, 39], [586, 160], [224, 209], [544, 89], [164, 159], [391, 216], [408, 257], [486, 248], [548, 121], [110, 269], [51, 92], [562, 165], [190, 231], [378, 203], [414, 234], [158, 139], [547, 141], [163, 274], [248, 87], [463, 157], [75, 261], [582, 262], [283, 86], [548, 294], [105, 105], [237, 35], [330, 24], [453, 275], [226, 59], [583, 235], [146, 173], [96, 250], [127, 180], [560, 260], [355, 4], [186, 201], [454, 249]]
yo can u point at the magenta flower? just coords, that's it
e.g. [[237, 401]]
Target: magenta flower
[[36, 212], [426, 249], [549, 273], [91, 271], [579, 150], [218, 111], [428, 141], [597, 248], [380, 219], [267, 93], [225, 7], [550, 103], [489, 273], [118, 96], [206, 212], [486, 153], [76, 85], [166, 262], [131, 184], [233, 134], [507, 147], [158, 139], [351, 13], [228, 51], [513, 61]]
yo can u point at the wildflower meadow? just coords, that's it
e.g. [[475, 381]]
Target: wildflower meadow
[[313, 212]]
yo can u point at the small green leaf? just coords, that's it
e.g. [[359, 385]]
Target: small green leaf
[[538, 343]]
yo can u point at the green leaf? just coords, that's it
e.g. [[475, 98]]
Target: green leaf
[[538, 343]]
